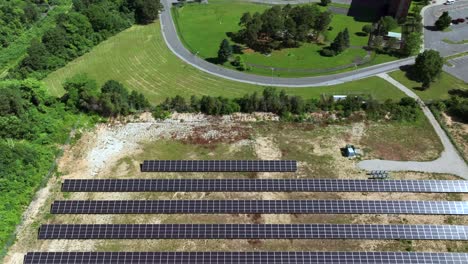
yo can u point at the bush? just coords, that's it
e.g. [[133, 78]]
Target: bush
[[327, 52], [367, 29]]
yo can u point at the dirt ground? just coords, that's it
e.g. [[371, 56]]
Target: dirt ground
[[116, 150]]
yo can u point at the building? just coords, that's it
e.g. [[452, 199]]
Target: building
[[399, 8], [372, 10]]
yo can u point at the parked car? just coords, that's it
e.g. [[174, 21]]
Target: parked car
[[461, 20]]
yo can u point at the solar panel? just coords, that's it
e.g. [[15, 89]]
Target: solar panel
[[255, 231], [259, 207], [244, 257], [219, 166], [263, 185]]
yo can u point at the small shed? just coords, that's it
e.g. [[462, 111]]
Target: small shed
[[395, 35], [337, 98]]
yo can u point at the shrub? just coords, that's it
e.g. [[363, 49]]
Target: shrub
[[327, 52]]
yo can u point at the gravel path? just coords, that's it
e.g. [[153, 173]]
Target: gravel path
[[449, 162]]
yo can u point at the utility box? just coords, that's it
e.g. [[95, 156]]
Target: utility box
[[351, 151]]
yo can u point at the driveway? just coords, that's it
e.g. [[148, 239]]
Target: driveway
[[435, 39]]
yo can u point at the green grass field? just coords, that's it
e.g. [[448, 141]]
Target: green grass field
[[438, 89], [139, 58], [223, 16]]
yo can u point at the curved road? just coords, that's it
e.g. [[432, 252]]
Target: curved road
[[175, 45]]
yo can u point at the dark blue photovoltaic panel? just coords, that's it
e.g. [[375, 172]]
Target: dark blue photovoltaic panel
[[254, 231], [245, 258], [259, 207], [219, 166], [263, 185]]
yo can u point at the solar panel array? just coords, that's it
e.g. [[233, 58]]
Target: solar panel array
[[219, 166], [263, 185], [254, 231], [244, 258], [258, 207]]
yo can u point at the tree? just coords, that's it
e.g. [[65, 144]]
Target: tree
[[245, 19], [81, 94], [377, 42], [346, 38], [367, 29], [224, 52], [146, 11], [325, 2], [113, 99], [412, 44], [444, 21], [322, 22], [385, 25], [428, 66], [341, 42]]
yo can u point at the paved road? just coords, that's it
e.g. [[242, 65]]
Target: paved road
[[174, 43], [449, 162], [459, 68]]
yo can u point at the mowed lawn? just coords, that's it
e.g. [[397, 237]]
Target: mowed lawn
[[140, 59], [438, 89], [202, 27]]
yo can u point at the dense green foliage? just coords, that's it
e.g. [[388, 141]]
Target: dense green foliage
[[78, 31], [294, 107], [16, 17], [456, 105], [280, 27], [32, 124], [10, 56]]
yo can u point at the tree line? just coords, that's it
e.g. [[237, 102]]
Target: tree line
[[76, 32], [109, 100], [280, 27], [33, 124], [292, 108]]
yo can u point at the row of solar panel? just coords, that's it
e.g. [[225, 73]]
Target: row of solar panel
[[259, 207], [254, 231], [219, 166], [263, 185], [244, 258]]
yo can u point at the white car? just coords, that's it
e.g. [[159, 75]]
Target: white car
[[450, 2]]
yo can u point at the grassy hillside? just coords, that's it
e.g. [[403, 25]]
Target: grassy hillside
[[139, 58]]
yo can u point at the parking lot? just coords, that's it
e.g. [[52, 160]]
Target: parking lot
[[458, 68], [445, 42]]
